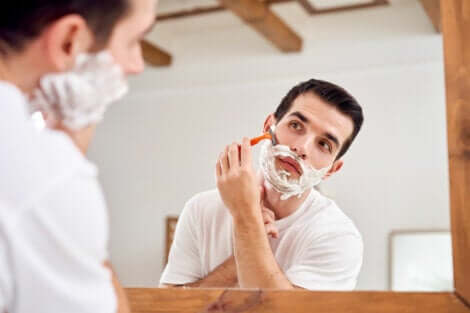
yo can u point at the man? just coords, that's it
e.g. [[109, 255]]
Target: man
[[274, 230], [53, 219]]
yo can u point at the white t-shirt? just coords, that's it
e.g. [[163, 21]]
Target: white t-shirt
[[53, 220], [318, 248]]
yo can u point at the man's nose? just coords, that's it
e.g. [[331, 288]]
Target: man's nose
[[302, 146], [299, 152], [299, 149]]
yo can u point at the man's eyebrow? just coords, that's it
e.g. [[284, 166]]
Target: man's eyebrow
[[304, 119], [333, 138], [301, 117]]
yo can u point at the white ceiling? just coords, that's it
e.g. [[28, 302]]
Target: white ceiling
[[324, 4], [170, 6]]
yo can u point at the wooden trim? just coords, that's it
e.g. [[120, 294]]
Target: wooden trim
[[154, 55], [261, 18], [197, 11], [456, 32], [296, 301], [433, 10]]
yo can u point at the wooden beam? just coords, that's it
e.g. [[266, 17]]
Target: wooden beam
[[256, 301], [433, 10], [456, 32], [260, 17], [154, 55]]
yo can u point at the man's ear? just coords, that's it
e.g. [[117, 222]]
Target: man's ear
[[65, 39], [270, 120], [337, 165]]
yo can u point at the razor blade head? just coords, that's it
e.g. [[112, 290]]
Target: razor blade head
[[272, 132]]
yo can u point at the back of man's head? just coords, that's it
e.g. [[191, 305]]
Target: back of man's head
[[24, 20]]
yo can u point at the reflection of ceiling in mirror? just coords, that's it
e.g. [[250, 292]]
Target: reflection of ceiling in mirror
[[170, 6], [326, 4]]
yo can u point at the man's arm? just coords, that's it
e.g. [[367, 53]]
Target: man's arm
[[256, 265], [224, 276], [121, 297], [238, 187]]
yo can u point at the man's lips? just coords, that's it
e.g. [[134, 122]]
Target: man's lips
[[291, 163]]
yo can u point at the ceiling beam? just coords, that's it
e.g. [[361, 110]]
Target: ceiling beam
[[260, 17], [433, 10], [154, 55]]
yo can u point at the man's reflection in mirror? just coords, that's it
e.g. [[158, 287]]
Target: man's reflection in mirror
[[272, 228]]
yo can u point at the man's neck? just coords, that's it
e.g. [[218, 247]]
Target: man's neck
[[282, 208], [20, 71]]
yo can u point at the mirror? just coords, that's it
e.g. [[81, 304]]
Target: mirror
[[158, 148]]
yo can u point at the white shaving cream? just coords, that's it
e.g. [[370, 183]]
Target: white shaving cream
[[279, 178], [80, 97]]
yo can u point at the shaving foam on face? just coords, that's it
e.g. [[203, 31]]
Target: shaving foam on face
[[279, 178], [80, 97]]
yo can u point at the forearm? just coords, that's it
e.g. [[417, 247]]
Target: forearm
[[256, 265], [224, 276], [122, 302]]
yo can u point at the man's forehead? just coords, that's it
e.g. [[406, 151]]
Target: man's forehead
[[322, 115]]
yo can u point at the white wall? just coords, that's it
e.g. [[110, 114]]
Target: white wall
[[158, 146]]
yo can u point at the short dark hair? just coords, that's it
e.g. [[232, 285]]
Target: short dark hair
[[24, 20], [333, 95]]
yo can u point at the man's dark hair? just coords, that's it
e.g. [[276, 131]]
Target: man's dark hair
[[331, 94], [24, 20]]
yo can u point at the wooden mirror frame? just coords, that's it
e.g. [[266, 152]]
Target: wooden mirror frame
[[456, 34]]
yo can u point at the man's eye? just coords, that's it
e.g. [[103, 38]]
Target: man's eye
[[295, 125], [325, 145]]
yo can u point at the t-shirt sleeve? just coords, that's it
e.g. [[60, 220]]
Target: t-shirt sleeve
[[331, 262], [58, 249], [184, 263]]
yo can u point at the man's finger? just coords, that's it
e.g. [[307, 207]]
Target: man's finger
[[275, 234], [224, 161], [270, 213], [267, 218], [245, 153], [218, 168], [272, 231], [262, 193], [233, 158]]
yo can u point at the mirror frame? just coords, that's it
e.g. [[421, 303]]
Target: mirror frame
[[455, 15]]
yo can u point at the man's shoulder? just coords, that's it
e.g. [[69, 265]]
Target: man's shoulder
[[32, 161], [209, 197], [327, 218], [207, 203]]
